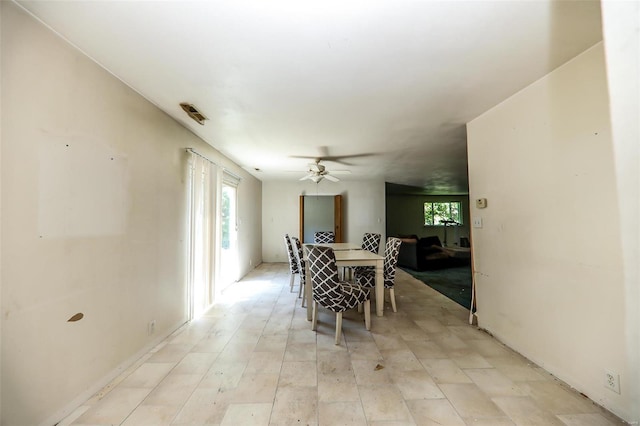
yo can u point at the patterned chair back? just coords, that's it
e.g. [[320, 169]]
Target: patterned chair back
[[324, 237], [328, 291], [325, 283], [293, 264], [299, 257], [371, 242], [391, 251]]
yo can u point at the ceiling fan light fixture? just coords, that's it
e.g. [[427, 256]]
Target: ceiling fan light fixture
[[317, 172], [193, 112]]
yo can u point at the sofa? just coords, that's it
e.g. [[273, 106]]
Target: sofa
[[427, 253]]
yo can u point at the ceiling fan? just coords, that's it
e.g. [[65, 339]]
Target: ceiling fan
[[340, 159], [317, 172]]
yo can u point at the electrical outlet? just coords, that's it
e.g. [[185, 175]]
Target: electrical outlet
[[612, 381], [152, 327]]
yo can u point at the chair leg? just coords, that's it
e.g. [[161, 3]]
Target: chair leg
[[392, 296], [291, 276], [359, 308], [301, 294], [346, 276], [367, 314], [338, 326], [314, 315]]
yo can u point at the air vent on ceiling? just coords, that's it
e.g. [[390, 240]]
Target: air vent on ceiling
[[194, 113]]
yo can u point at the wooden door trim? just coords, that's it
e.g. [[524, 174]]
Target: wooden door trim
[[301, 218], [337, 218]]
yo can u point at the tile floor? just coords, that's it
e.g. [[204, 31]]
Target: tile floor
[[253, 360]]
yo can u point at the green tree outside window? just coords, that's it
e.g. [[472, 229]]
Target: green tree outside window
[[437, 214], [226, 219]]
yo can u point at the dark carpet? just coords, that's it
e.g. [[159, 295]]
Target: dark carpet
[[455, 283]]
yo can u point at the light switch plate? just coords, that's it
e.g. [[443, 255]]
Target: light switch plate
[[477, 222]]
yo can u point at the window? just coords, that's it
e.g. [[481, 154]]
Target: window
[[229, 266], [441, 214]]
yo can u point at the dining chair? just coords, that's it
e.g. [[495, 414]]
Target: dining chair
[[367, 278], [293, 264], [370, 242], [331, 293], [299, 255], [323, 237]]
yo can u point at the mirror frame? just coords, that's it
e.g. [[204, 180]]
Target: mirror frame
[[337, 218]]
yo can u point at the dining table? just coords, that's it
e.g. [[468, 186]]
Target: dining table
[[339, 246], [349, 254]]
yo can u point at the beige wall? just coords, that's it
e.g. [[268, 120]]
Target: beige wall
[[621, 31], [1, 272], [363, 210], [548, 259], [249, 224], [94, 221]]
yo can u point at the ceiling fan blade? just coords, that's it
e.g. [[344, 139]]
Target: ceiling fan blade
[[316, 167], [340, 159], [305, 157], [331, 178], [306, 177], [345, 157]]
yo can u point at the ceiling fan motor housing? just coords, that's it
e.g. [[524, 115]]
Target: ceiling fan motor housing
[[318, 171]]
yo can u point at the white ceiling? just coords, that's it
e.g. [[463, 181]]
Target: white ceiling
[[396, 78]]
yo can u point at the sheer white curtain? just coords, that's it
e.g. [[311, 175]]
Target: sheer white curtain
[[202, 218]]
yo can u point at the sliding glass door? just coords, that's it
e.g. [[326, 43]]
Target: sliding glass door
[[213, 229], [229, 236]]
